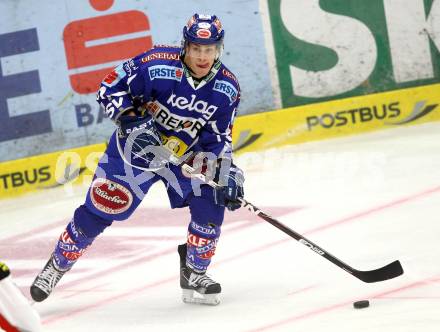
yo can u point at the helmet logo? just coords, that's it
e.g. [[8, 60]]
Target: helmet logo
[[204, 25], [191, 21], [203, 29], [218, 25], [203, 33], [204, 17]]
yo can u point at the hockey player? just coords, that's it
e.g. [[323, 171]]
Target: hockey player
[[16, 314], [178, 98]]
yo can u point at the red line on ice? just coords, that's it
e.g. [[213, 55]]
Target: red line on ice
[[138, 260], [72, 312], [301, 290], [323, 310], [260, 248], [375, 209]]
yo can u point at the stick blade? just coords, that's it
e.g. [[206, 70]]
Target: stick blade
[[386, 272]]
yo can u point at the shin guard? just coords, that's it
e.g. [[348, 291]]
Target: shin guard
[[201, 245], [77, 237], [71, 245]]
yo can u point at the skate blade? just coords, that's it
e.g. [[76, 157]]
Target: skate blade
[[192, 297]]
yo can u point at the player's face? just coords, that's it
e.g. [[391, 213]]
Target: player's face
[[200, 58]]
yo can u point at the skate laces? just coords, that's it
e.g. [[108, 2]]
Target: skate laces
[[200, 280], [49, 277]]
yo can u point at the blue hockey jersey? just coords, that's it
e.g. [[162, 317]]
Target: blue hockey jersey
[[189, 116]]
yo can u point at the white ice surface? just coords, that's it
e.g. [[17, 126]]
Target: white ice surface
[[367, 199]]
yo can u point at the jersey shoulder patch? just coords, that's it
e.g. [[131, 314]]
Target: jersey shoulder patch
[[161, 54], [114, 76], [227, 84], [226, 74], [161, 62]]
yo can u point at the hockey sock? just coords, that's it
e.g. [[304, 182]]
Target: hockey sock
[[201, 244], [77, 237]]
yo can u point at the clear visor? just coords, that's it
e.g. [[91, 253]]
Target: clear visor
[[211, 51]]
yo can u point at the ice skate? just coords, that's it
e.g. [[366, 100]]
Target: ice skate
[[46, 281], [197, 288]]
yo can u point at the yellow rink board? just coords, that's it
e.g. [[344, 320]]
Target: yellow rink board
[[251, 133], [337, 118], [49, 170]]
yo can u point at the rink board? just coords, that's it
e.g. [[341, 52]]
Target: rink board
[[337, 118], [251, 133], [51, 65], [74, 166]]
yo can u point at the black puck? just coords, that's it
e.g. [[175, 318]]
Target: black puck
[[4, 271], [361, 304]]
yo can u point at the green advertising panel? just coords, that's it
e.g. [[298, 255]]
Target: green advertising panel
[[332, 49]]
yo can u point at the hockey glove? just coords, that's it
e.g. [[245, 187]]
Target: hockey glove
[[231, 188], [142, 134]]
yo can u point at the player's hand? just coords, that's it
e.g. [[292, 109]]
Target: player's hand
[[231, 189], [142, 134], [143, 127]]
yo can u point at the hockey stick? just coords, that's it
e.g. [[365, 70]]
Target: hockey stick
[[386, 272]]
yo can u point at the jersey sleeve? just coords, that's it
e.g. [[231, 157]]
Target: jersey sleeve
[[216, 136], [122, 87]]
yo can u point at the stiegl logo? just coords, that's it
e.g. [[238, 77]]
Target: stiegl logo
[[110, 197], [114, 199]]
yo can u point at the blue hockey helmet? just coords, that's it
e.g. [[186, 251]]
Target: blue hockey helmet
[[203, 29]]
